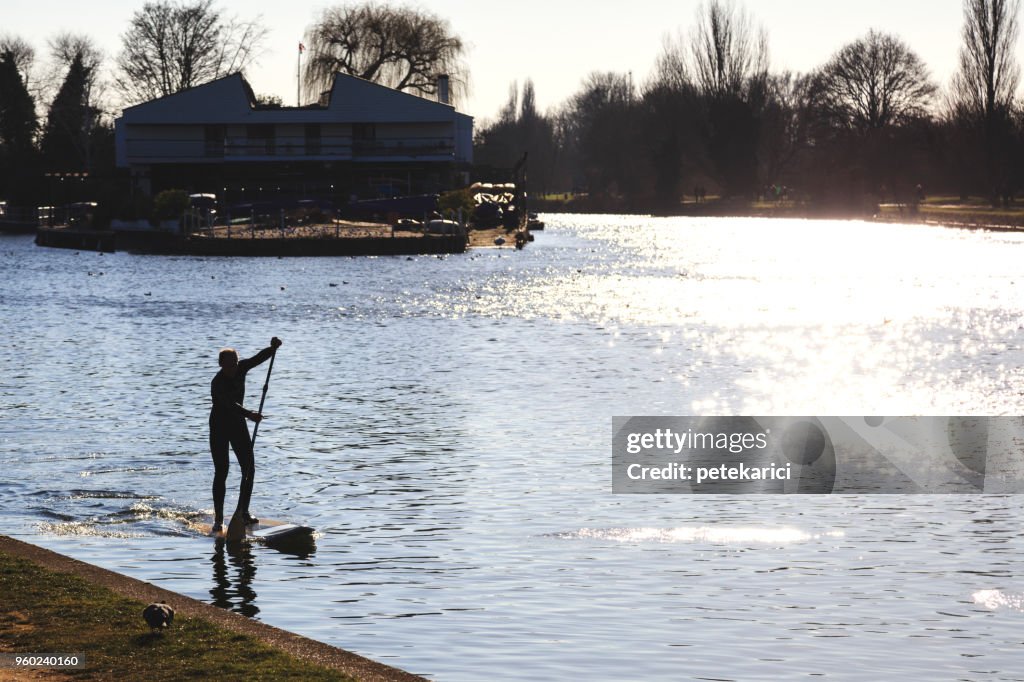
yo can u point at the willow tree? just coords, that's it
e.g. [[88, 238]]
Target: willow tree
[[401, 47]]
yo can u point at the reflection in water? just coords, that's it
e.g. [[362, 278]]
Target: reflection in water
[[233, 592]]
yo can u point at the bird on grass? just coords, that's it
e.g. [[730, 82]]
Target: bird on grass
[[158, 615]]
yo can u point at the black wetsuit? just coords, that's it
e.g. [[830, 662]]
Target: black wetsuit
[[227, 425]]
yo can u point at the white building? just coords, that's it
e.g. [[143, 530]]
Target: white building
[[362, 139]]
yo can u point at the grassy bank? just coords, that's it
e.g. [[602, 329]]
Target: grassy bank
[[954, 211], [43, 611]]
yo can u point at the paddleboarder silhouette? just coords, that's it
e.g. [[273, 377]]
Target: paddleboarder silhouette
[[228, 427]]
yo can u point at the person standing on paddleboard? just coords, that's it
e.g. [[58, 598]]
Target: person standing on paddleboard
[[227, 426]]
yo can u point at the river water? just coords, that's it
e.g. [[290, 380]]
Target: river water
[[445, 425]]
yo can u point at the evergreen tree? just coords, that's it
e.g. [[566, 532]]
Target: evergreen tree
[[18, 126], [17, 110], [66, 135]]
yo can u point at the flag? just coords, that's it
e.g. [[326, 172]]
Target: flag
[[302, 48]]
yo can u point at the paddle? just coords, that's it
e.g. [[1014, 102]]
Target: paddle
[[236, 529], [263, 398]]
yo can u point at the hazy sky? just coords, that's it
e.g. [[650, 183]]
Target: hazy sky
[[554, 42]]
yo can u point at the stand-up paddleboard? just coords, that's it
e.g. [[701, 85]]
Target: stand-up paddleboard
[[268, 531]]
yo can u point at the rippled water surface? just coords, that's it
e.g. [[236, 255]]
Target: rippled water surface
[[445, 424]]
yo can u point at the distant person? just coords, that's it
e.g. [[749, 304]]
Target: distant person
[[227, 426]]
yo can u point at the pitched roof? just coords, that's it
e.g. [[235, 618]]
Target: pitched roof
[[230, 100]]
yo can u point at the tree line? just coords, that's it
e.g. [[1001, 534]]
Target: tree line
[[72, 137], [56, 113], [868, 125], [712, 116]]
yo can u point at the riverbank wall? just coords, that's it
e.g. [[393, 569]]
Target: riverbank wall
[[244, 243]]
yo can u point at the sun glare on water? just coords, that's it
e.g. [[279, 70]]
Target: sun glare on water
[[997, 599]]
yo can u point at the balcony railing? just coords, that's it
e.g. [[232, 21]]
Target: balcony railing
[[296, 147], [433, 146]]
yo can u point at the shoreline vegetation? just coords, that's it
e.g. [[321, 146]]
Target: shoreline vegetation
[[865, 126], [968, 213], [52, 604]]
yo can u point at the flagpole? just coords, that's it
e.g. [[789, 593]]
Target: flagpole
[[298, 71]]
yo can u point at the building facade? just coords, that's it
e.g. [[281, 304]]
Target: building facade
[[361, 140]]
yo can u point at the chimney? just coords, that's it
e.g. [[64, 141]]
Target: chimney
[[442, 89]]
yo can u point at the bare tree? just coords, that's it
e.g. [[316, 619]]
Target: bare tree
[[65, 48], [172, 45], [872, 83], [596, 125], [509, 113], [983, 91], [24, 55], [727, 49], [986, 82], [528, 105], [785, 125], [671, 67], [401, 47]]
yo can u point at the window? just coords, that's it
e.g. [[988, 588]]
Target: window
[[313, 139], [364, 131], [261, 139], [364, 136], [214, 141]]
